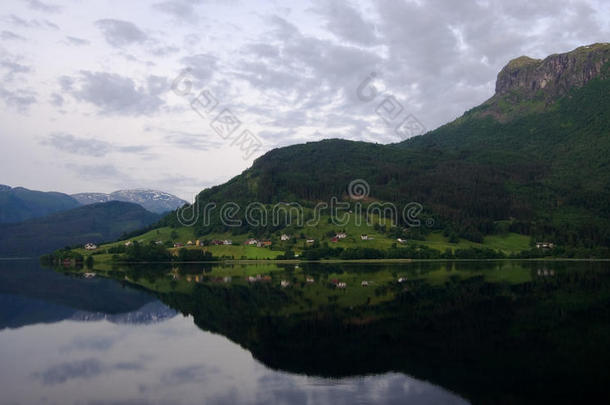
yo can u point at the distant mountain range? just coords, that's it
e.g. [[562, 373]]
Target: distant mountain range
[[90, 223], [153, 200], [20, 204]]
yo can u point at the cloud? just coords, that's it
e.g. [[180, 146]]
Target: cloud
[[88, 146], [346, 22], [57, 100], [40, 6], [20, 22], [20, 99], [202, 66], [120, 33], [13, 68], [193, 141], [63, 372], [11, 36], [99, 172], [116, 94], [182, 10], [77, 41]]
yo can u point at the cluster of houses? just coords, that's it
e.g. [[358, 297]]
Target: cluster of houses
[[258, 243], [90, 246], [545, 245], [339, 236], [338, 284], [258, 277]]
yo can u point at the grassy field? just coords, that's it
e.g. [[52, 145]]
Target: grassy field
[[322, 233]]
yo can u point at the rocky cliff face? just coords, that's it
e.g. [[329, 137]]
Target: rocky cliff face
[[556, 74], [527, 85]]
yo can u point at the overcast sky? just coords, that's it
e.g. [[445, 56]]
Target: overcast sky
[[86, 99]]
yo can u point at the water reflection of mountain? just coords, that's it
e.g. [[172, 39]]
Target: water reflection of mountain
[[31, 294], [488, 341], [150, 313]]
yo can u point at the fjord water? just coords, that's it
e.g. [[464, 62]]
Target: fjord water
[[454, 333], [67, 340]]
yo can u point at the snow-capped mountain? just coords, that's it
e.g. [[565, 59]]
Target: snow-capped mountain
[[152, 200]]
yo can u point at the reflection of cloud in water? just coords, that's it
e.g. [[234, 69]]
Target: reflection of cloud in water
[[171, 362], [63, 372]]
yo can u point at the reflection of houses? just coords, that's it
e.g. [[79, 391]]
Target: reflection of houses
[[90, 246], [545, 245], [545, 273], [89, 275], [284, 237], [338, 284]]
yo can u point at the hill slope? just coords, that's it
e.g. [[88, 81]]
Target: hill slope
[[92, 223], [20, 204], [535, 156]]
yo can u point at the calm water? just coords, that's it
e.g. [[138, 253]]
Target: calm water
[[454, 333]]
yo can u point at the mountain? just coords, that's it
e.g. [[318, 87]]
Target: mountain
[[154, 201], [91, 223], [20, 204], [533, 159]]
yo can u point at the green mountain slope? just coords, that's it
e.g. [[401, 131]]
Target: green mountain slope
[[533, 158], [92, 223], [20, 204]]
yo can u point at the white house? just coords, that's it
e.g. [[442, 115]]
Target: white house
[[227, 242], [401, 240], [90, 246], [364, 237], [364, 283], [341, 235], [284, 237], [284, 283], [311, 240], [341, 284]]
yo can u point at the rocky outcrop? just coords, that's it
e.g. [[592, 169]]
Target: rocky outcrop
[[525, 85], [556, 74]]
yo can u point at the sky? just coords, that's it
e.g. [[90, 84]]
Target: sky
[[182, 95]]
